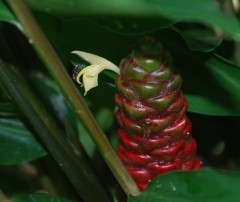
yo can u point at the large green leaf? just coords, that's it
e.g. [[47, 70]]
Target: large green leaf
[[38, 198], [17, 144], [197, 38], [205, 11], [201, 40], [85, 35], [132, 26], [206, 185]]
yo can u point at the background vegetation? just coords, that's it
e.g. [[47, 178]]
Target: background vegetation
[[46, 126]]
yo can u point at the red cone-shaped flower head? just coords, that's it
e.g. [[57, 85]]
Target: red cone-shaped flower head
[[154, 130]]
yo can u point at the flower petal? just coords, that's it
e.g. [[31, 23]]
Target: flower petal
[[97, 60], [90, 73]]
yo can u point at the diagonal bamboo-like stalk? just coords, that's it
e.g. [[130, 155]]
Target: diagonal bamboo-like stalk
[[76, 168], [56, 68]]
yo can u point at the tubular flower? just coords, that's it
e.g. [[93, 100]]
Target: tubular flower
[[90, 73], [154, 130]]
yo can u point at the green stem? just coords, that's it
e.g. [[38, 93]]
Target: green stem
[[76, 168], [58, 71]]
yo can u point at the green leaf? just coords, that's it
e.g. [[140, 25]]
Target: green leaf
[[214, 89], [105, 118], [205, 11], [48, 89], [84, 35], [7, 109], [17, 143], [204, 40], [132, 26], [7, 16], [38, 198], [206, 185], [210, 83]]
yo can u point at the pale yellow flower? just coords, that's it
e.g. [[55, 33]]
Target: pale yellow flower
[[90, 73]]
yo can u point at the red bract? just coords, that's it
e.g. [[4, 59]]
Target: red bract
[[154, 130]]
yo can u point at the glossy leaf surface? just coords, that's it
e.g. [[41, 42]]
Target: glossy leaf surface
[[7, 16], [193, 186], [18, 144], [174, 10], [204, 40]]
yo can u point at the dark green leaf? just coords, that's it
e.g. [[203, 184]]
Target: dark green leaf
[[210, 83], [204, 40], [206, 185], [81, 34], [17, 143], [7, 109], [12, 182], [38, 198], [52, 95], [7, 16], [76, 167], [48, 89], [205, 11], [235, 56], [214, 89], [132, 26], [104, 117]]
